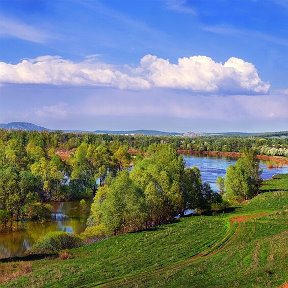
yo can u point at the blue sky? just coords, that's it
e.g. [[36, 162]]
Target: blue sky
[[174, 65]]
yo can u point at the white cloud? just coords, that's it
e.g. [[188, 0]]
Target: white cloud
[[202, 74], [197, 74], [57, 71], [16, 29]]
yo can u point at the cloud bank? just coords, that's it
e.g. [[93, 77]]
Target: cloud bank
[[198, 74]]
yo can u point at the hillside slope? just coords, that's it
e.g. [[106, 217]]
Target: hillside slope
[[246, 248]]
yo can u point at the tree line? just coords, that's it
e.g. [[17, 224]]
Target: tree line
[[32, 171], [265, 144]]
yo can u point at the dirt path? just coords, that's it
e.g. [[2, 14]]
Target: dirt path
[[245, 218]]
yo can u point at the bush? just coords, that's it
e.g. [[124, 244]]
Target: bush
[[220, 206], [4, 217], [95, 232], [83, 203], [54, 242], [39, 211]]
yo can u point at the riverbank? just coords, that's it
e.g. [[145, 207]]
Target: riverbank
[[278, 161], [66, 216]]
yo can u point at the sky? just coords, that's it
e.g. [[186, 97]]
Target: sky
[[171, 65]]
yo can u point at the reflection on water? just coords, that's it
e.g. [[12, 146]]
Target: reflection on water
[[67, 216], [212, 167]]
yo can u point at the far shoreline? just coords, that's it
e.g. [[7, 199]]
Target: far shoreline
[[279, 160]]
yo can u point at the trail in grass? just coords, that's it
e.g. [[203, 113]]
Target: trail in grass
[[234, 225]]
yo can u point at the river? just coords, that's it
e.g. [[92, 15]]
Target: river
[[67, 216], [71, 216], [213, 167]]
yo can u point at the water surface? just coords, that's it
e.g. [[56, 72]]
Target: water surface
[[67, 216], [213, 167]]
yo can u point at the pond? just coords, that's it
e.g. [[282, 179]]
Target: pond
[[66, 216], [71, 216]]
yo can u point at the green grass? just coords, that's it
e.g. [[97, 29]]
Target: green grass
[[126, 254], [274, 196], [257, 256], [206, 251]]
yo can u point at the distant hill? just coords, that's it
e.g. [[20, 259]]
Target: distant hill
[[32, 127], [22, 126], [139, 132]]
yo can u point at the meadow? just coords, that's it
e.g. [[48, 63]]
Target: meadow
[[243, 248]]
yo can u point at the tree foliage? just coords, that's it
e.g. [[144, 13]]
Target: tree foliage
[[49, 166], [156, 190], [243, 179]]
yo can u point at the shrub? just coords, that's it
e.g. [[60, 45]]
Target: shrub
[[220, 206], [4, 217], [39, 211], [54, 242], [82, 202], [95, 232]]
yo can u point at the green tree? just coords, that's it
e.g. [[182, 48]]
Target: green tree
[[4, 218], [220, 181], [159, 176], [82, 172], [9, 197], [120, 207], [122, 158], [243, 179], [51, 175], [191, 188], [34, 152]]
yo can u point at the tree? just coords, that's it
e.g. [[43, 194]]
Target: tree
[[51, 175], [159, 176], [243, 180], [220, 181], [191, 188], [34, 152], [4, 218], [120, 207], [9, 197], [122, 158]]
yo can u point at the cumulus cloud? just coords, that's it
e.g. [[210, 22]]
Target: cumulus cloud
[[202, 74], [57, 71], [198, 74]]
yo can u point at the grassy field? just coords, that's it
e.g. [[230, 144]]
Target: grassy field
[[246, 248]]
